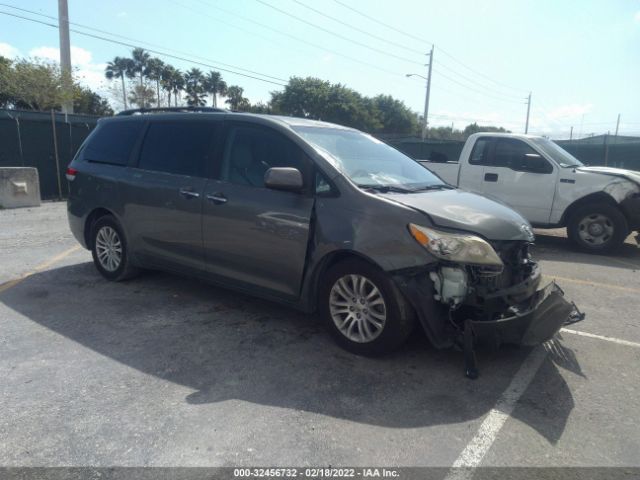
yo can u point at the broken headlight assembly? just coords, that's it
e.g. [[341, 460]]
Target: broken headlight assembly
[[457, 247]]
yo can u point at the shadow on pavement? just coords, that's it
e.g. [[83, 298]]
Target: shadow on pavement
[[225, 345]]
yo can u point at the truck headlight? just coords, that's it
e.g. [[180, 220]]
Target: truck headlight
[[456, 247]]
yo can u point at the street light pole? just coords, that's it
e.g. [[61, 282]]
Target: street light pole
[[65, 54], [526, 126], [428, 93], [426, 98]]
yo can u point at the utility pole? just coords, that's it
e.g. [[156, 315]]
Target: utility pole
[[65, 54], [526, 126], [426, 98], [617, 125], [571, 134]]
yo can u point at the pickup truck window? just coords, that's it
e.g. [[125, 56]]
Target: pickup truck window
[[559, 154], [509, 152], [480, 153]]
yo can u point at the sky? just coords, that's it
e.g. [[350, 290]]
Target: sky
[[580, 59]]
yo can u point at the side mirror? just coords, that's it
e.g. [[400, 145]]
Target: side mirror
[[532, 162], [283, 178]]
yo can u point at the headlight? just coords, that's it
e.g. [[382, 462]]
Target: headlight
[[456, 247]]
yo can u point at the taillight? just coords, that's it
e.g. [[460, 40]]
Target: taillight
[[71, 174]]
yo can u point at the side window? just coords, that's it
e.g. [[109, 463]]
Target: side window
[[181, 148], [480, 152], [112, 142], [323, 187], [510, 152], [251, 151]]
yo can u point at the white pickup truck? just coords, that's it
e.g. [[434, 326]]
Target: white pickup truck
[[600, 206]]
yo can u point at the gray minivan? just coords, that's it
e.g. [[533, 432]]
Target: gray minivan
[[318, 216]]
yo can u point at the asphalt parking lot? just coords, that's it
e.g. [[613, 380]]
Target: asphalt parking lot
[[166, 371]]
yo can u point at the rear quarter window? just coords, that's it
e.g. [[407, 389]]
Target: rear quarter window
[[112, 143]]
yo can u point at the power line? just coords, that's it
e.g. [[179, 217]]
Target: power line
[[474, 82], [338, 35], [382, 23], [298, 39], [157, 52], [475, 89], [87, 27], [402, 32], [341, 22]]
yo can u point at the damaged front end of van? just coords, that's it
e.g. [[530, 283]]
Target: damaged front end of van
[[483, 292]]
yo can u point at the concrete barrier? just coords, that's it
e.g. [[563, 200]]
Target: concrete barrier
[[19, 187]]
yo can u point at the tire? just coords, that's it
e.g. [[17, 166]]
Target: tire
[[108, 238], [597, 228], [370, 335]]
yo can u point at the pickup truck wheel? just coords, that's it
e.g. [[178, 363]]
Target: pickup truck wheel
[[597, 228], [109, 250], [363, 310]]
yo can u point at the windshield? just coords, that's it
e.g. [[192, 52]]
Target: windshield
[[368, 162], [559, 154]]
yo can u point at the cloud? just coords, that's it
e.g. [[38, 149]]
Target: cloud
[[572, 110], [88, 73], [8, 51], [79, 56]]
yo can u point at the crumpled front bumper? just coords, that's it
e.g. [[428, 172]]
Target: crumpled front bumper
[[536, 323]]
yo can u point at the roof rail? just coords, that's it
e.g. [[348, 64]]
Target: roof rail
[[140, 111]]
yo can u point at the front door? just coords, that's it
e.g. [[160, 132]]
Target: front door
[[255, 236], [163, 194], [506, 179]]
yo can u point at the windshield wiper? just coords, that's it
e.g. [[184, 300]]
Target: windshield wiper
[[439, 186], [384, 188]]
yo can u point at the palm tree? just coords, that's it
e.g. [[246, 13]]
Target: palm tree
[[235, 99], [140, 59], [215, 85], [166, 80], [119, 67], [153, 71], [196, 95]]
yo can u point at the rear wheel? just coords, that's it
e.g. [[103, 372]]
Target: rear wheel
[[363, 309], [109, 250], [597, 228]]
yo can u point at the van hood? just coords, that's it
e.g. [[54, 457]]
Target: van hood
[[461, 210], [615, 172]]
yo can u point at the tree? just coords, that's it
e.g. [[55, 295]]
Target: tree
[[90, 103], [141, 96], [215, 85], [37, 85], [6, 80], [394, 116], [140, 59], [196, 95], [235, 98], [118, 68], [475, 128], [154, 70]]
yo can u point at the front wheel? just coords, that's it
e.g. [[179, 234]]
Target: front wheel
[[363, 309], [597, 228]]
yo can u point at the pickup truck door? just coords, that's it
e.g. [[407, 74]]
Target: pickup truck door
[[519, 176], [470, 175]]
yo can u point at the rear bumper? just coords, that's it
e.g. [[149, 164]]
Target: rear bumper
[[540, 321]]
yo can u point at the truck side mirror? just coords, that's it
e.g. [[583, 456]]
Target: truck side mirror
[[532, 162]]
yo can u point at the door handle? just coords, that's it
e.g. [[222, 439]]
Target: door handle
[[188, 193], [217, 198], [490, 177]]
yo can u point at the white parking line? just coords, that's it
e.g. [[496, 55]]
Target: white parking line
[[601, 337], [480, 444]]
